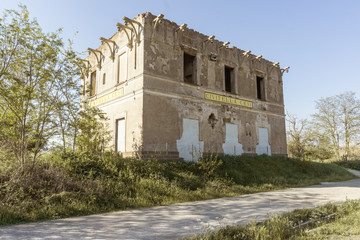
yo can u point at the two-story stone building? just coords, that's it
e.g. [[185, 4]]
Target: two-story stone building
[[172, 92]]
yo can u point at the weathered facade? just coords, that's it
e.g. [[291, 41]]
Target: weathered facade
[[172, 92]]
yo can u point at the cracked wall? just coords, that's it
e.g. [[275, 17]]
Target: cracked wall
[[165, 115], [224, 128]]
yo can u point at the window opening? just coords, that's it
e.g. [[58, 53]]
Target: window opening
[[260, 88], [189, 68], [104, 78], [120, 135], [229, 75], [93, 83]]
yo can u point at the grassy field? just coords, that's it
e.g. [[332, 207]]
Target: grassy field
[[71, 184], [326, 222]]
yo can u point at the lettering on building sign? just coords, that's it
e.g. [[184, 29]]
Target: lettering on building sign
[[229, 100], [107, 97]]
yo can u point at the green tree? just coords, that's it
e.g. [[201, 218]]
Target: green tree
[[39, 80], [338, 118], [298, 136], [326, 121], [318, 146], [349, 108], [94, 135], [68, 110]]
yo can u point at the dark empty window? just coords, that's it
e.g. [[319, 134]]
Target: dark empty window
[[93, 83], [104, 78], [260, 87], [229, 75], [189, 68]]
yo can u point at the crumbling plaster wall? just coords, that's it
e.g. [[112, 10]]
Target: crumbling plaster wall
[[278, 136], [168, 100], [163, 123], [156, 100], [130, 104], [164, 48]]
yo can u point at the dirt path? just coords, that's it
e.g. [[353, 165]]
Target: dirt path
[[178, 220]]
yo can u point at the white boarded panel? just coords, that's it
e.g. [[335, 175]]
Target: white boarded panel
[[120, 135], [189, 146], [263, 147], [232, 145]]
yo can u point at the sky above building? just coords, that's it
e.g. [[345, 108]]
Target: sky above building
[[319, 40]]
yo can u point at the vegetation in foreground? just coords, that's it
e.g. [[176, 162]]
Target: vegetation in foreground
[[328, 221], [69, 184], [350, 164]]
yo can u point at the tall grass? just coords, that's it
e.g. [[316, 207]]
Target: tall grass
[[354, 164], [291, 225], [79, 183], [279, 171]]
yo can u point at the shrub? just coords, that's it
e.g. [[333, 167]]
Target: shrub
[[208, 166]]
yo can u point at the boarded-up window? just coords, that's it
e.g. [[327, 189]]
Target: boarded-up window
[[92, 83], [120, 135], [229, 76], [264, 146], [189, 68], [260, 88], [122, 68]]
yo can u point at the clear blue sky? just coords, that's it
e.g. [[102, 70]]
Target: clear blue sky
[[318, 39]]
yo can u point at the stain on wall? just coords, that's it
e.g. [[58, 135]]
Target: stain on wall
[[212, 120]]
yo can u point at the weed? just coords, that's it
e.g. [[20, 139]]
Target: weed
[[209, 165]]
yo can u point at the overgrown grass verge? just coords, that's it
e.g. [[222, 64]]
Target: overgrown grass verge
[[354, 164], [344, 221], [76, 183]]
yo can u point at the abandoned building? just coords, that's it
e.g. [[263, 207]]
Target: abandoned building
[[172, 92]]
